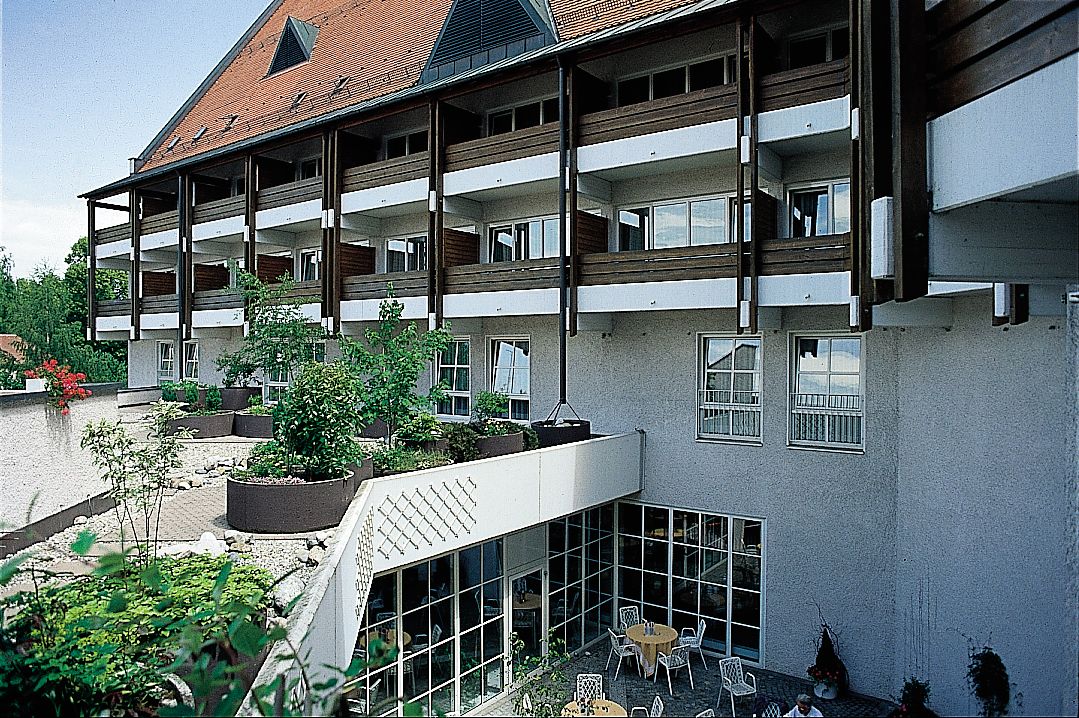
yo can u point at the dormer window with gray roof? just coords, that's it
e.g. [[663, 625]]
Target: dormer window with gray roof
[[295, 45]]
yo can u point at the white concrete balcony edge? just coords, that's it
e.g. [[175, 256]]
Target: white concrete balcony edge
[[289, 214], [218, 229], [209, 318], [122, 248], [398, 520], [157, 240], [384, 197], [502, 174], [366, 310]]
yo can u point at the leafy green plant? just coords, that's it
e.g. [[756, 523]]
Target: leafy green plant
[[213, 398], [489, 405], [495, 427], [404, 459], [389, 362], [542, 678], [461, 442], [191, 393], [988, 680], [531, 438], [421, 426], [168, 391]]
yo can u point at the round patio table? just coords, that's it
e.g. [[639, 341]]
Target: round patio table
[[528, 602], [600, 707], [391, 638], [664, 638]]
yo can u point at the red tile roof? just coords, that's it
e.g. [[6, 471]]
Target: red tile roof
[[382, 45]]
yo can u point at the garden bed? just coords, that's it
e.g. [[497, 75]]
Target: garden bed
[[500, 445], [566, 431], [238, 398], [204, 426], [254, 426]]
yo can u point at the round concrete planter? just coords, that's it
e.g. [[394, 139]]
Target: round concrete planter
[[237, 398], [565, 431], [208, 426], [429, 446], [291, 508], [489, 446], [253, 426]]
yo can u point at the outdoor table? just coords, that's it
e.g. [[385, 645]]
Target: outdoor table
[[391, 638], [600, 707], [661, 642], [528, 602]]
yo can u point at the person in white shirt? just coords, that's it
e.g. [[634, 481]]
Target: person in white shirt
[[803, 708]]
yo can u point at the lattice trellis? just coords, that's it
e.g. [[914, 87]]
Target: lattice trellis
[[365, 561], [421, 514]]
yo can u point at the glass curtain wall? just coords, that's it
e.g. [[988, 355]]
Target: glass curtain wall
[[581, 575], [681, 566]]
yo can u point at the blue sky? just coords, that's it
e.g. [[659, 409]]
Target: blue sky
[[86, 84]]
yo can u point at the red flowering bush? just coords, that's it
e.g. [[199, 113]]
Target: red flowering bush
[[827, 676], [61, 383]]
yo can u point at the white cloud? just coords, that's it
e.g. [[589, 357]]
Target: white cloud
[[33, 233]]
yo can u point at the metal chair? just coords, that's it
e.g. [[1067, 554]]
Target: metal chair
[[734, 680], [693, 639], [772, 710], [706, 713], [526, 703], [679, 658], [589, 685], [629, 616], [384, 616], [657, 709], [619, 647]]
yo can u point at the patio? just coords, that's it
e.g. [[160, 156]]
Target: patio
[[631, 690]]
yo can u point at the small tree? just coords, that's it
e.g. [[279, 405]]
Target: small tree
[[391, 362], [279, 337]]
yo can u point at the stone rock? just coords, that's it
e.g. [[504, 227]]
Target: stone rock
[[201, 471], [303, 556], [184, 485], [208, 543], [330, 533], [80, 520], [225, 462], [233, 556], [211, 465], [231, 536], [196, 482], [213, 474], [243, 547], [322, 537], [316, 555], [312, 541], [180, 550], [277, 621]]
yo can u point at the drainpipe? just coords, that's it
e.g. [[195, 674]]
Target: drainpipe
[[563, 283]]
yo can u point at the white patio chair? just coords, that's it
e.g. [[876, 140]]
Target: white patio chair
[[693, 639], [772, 710], [526, 704], [678, 658], [657, 709], [589, 685], [628, 616], [706, 713], [619, 647], [734, 680]]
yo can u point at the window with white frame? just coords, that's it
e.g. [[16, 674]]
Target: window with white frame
[[453, 375], [166, 361], [529, 239], [311, 168], [510, 374], [674, 224], [531, 114], [826, 392], [820, 210], [310, 265], [729, 388], [191, 360], [676, 80], [406, 255], [408, 144], [278, 378]]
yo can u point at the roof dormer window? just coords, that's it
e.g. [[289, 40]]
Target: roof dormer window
[[295, 45]]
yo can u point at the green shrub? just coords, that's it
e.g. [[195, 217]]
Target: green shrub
[[213, 398], [495, 427], [490, 405], [421, 426], [318, 418], [191, 392], [402, 459], [168, 391], [531, 438], [461, 440]]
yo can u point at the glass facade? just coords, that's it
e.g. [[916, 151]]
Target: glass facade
[[580, 563]]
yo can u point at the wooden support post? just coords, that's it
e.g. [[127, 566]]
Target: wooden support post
[[911, 218], [335, 230], [754, 178], [862, 319], [326, 308], [573, 102], [91, 273], [135, 220], [437, 286], [739, 212], [185, 274]]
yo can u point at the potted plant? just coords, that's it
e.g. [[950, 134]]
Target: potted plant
[[553, 431], [202, 407], [256, 421], [61, 383], [422, 431], [828, 672], [496, 437], [912, 703], [300, 481]]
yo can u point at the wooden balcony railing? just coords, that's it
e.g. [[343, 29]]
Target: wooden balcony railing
[[159, 222], [706, 261], [112, 234], [815, 83], [805, 255], [669, 113], [113, 307], [387, 172], [219, 209], [162, 304], [373, 286], [217, 299], [502, 276], [310, 291], [501, 148], [291, 193]]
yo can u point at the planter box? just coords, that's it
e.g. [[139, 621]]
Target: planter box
[[489, 446], [566, 431], [204, 427], [236, 398], [253, 426], [429, 446], [290, 508]]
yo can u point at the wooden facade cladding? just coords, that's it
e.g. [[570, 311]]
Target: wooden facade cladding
[[805, 255], [156, 284], [112, 234], [162, 304], [591, 233], [217, 299], [975, 47], [459, 248], [291, 193], [210, 277], [159, 222], [816, 83], [387, 172], [669, 113], [113, 307], [219, 209], [373, 286], [310, 291], [270, 268], [502, 148], [503, 276], [357, 261]]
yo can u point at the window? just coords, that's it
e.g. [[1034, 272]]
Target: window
[[532, 239], [681, 566], [311, 168], [826, 394], [581, 575], [822, 210], [406, 255], [532, 114], [674, 224], [510, 374], [815, 49], [453, 368], [166, 361], [404, 145], [676, 81], [311, 265], [729, 389], [278, 378], [191, 360]]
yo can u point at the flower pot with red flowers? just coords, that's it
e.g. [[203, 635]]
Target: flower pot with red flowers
[[61, 383], [828, 673]]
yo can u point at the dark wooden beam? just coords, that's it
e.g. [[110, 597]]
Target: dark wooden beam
[[106, 205], [327, 231], [91, 272], [741, 80], [134, 219], [754, 175], [573, 102], [338, 169], [250, 198]]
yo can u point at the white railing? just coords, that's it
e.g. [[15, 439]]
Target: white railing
[[826, 419], [398, 520], [729, 414]]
